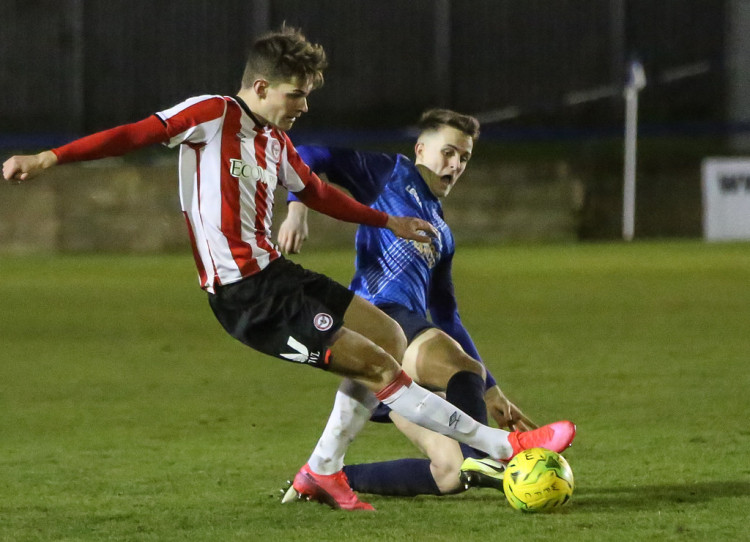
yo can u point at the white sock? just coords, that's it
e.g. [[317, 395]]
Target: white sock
[[428, 410], [352, 408]]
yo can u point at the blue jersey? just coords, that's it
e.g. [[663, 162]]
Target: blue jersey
[[390, 269]]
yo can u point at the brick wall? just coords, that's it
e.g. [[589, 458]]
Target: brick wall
[[111, 206]]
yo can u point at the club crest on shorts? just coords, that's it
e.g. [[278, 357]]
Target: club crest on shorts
[[322, 321]]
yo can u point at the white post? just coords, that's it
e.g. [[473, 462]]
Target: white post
[[636, 82]]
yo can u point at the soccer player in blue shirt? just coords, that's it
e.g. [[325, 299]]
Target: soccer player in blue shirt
[[406, 279]]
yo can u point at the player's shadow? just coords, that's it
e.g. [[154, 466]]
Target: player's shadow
[[639, 497]]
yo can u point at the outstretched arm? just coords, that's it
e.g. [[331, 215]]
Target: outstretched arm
[[113, 142], [329, 200], [362, 174]]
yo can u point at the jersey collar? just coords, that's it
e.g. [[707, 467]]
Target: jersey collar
[[246, 109]]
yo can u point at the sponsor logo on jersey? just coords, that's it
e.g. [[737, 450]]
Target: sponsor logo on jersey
[[322, 321], [428, 251], [301, 354], [251, 172]]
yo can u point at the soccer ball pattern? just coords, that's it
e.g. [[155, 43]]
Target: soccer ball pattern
[[538, 480]]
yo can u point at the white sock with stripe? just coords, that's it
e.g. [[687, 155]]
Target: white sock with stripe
[[352, 408], [428, 410]]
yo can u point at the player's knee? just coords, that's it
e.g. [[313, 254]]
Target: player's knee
[[381, 368], [393, 340], [440, 350], [469, 364], [479, 368]]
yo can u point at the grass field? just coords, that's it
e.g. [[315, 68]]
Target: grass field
[[128, 414]]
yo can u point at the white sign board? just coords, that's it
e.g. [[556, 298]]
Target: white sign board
[[726, 198]]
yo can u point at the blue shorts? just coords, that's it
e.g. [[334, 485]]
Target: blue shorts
[[413, 324]]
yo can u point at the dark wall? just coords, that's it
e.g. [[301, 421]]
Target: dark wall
[[78, 65]]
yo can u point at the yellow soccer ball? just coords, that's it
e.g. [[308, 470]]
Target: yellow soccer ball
[[538, 480]]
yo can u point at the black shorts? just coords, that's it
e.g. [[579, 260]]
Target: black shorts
[[285, 311]]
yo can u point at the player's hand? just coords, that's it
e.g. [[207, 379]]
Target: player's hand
[[409, 227], [505, 413], [293, 231], [17, 169]]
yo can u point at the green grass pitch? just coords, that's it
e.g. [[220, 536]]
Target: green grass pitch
[[126, 413]]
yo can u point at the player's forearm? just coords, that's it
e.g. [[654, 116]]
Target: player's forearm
[[333, 202], [296, 210], [20, 168], [46, 159]]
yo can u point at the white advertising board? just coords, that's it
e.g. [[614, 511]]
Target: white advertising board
[[726, 198]]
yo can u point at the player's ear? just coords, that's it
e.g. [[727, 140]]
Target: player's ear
[[260, 86], [418, 149]]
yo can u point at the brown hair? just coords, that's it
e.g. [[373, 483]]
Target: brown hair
[[434, 119], [282, 55]]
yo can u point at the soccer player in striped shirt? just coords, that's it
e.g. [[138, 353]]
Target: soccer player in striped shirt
[[233, 153], [408, 279]]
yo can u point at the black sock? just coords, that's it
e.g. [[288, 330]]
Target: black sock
[[466, 391], [401, 477]]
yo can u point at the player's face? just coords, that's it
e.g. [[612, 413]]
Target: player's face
[[284, 102], [445, 152]]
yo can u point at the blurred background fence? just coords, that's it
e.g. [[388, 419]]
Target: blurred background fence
[[544, 76]]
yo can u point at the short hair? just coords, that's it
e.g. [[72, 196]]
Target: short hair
[[434, 119], [282, 55]]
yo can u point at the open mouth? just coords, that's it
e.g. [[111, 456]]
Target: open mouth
[[447, 179]]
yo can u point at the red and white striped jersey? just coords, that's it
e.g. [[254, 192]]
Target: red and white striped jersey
[[229, 168]]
